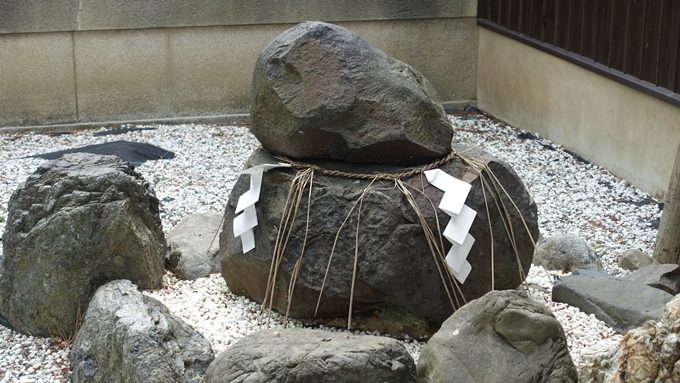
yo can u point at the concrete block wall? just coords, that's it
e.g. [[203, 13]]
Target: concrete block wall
[[632, 134], [75, 62]]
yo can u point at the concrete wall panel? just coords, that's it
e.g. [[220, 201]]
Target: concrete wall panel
[[36, 79], [630, 133], [19, 16], [142, 74]]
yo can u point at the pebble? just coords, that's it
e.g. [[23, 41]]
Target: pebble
[[571, 195]]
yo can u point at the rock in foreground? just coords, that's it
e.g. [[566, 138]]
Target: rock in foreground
[[321, 91], [395, 266], [501, 337], [646, 354], [75, 224], [301, 355], [128, 337]]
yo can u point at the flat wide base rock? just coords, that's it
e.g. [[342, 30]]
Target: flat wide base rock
[[395, 267], [622, 304], [501, 337], [301, 355]]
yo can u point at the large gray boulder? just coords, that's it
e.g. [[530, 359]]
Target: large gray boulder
[[193, 253], [75, 224], [622, 304], [314, 356], [321, 91], [501, 337], [566, 252], [395, 266], [129, 337]]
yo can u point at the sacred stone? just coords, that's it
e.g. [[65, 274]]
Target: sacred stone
[[395, 267], [321, 91]]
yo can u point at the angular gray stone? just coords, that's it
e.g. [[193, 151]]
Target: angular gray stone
[[665, 277], [321, 91], [129, 337], [75, 224], [622, 304], [501, 337], [191, 254], [395, 266], [566, 252], [634, 259], [302, 355]]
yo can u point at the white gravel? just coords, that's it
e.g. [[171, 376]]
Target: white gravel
[[572, 196]]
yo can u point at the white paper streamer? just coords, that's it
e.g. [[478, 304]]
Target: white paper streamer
[[457, 230], [245, 222]]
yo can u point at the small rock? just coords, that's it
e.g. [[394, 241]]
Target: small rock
[[566, 252], [302, 355], [500, 337], [128, 337], [193, 253], [661, 276], [622, 304], [634, 259]]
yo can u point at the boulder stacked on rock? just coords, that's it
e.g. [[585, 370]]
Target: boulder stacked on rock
[[504, 336], [129, 337], [301, 355], [311, 87], [76, 223], [321, 91]]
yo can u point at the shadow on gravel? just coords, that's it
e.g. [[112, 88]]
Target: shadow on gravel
[[135, 153]]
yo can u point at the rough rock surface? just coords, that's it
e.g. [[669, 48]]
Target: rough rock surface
[[321, 91], [663, 276], [301, 355], [566, 252], [395, 266], [191, 254], [650, 353], [129, 337], [634, 259], [501, 337], [622, 304], [75, 224]]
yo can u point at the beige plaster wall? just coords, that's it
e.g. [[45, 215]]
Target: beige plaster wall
[[634, 135], [84, 61]]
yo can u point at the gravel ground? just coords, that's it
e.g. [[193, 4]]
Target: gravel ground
[[572, 196]]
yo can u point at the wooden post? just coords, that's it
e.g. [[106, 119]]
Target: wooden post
[[667, 249]]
